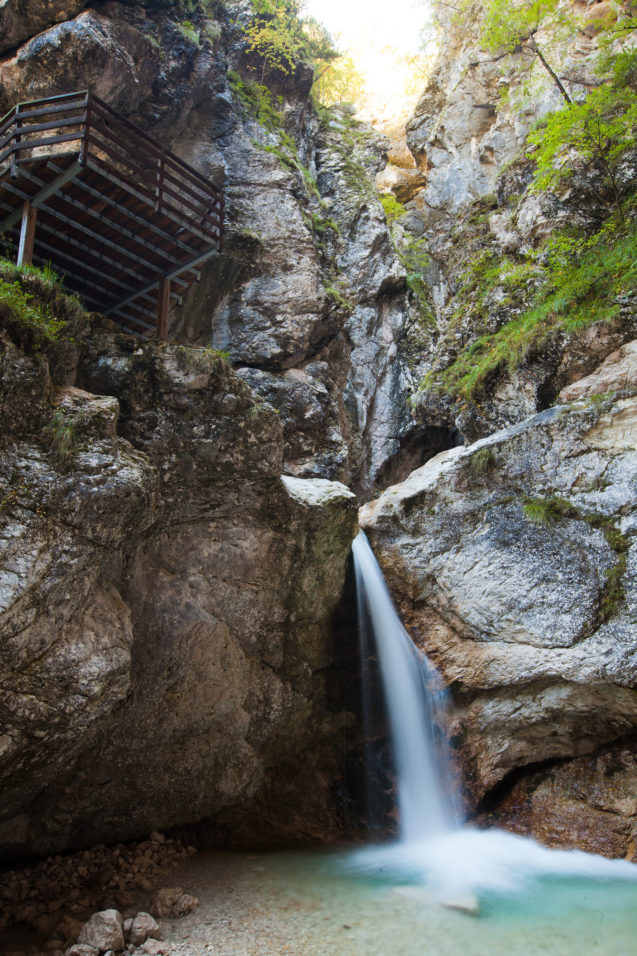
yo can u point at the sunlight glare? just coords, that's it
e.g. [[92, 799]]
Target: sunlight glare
[[388, 48]]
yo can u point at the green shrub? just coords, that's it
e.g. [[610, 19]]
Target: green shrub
[[335, 294], [546, 511], [257, 101], [394, 210], [192, 359], [24, 309], [614, 594], [189, 32], [581, 283]]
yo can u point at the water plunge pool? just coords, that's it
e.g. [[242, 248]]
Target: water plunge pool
[[316, 904]]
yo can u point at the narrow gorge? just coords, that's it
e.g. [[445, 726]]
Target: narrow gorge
[[431, 337]]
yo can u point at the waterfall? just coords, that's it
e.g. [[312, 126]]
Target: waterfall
[[425, 810], [434, 849]]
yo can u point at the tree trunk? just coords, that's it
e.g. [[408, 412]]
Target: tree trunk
[[535, 48]]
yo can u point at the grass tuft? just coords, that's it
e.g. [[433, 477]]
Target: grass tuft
[[62, 441], [482, 461]]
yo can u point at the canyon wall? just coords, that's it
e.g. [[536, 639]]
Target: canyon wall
[[512, 559], [176, 518]]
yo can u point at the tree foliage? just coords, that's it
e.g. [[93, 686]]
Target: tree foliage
[[602, 128], [513, 27], [339, 82], [281, 39]]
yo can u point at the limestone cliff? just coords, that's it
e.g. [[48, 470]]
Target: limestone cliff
[[512, 559], [169, 649], [513, 562], [479, 237], [308, 298], [167, 599]]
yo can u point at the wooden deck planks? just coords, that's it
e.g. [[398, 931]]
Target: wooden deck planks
[[126, 222]]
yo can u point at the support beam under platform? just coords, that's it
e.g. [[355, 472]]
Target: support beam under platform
[[163, 307], [125, 222], [27, 234]]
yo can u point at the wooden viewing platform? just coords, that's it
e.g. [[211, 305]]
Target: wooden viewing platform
[[126, 222]]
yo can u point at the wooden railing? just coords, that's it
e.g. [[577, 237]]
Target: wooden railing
[[82, 123]]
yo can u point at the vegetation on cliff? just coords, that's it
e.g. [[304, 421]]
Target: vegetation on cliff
[[33, 301], [581, 274]]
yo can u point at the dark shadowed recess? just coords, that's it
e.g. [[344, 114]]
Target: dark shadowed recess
[[416, 448], [318, 798]]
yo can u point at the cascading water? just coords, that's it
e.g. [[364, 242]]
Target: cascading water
[[425, 810], [434, 849]]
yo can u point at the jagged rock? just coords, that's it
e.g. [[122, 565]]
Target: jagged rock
[[298, 257], [19, 21], [81, 949], [473, 115], [171, 564], [617, 372], [90, 50], [172, 903], [477, 209], [588, 802], [88, 413], [162, 581], [104, 931], [25, 383], [529, 623], [141, 927], [405, 184]]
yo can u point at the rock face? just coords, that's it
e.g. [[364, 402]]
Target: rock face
[[476, 230], [166, 601], [476, 111], [588, 802], [618, 371], [514, 562], [175, 531], [19, 21], [308, 298]]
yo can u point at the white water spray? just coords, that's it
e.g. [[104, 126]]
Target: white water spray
[[433, 848], [425, 811]]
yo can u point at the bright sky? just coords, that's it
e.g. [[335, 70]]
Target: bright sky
[[376, 33], [397, 23]]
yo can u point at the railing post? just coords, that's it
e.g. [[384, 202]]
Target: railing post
[[163, 307], [87, 133], [18, 138], [159, 188], [27, 234]]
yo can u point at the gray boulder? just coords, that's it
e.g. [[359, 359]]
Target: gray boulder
[[514, 563], [104, 931]]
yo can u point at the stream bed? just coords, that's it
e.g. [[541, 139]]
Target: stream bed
[[315, 904]]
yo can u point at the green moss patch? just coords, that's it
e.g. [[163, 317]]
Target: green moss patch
[[579, 282]]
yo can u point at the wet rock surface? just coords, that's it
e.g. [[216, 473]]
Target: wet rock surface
[[162, 583], [513, 563], [588, 803]]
